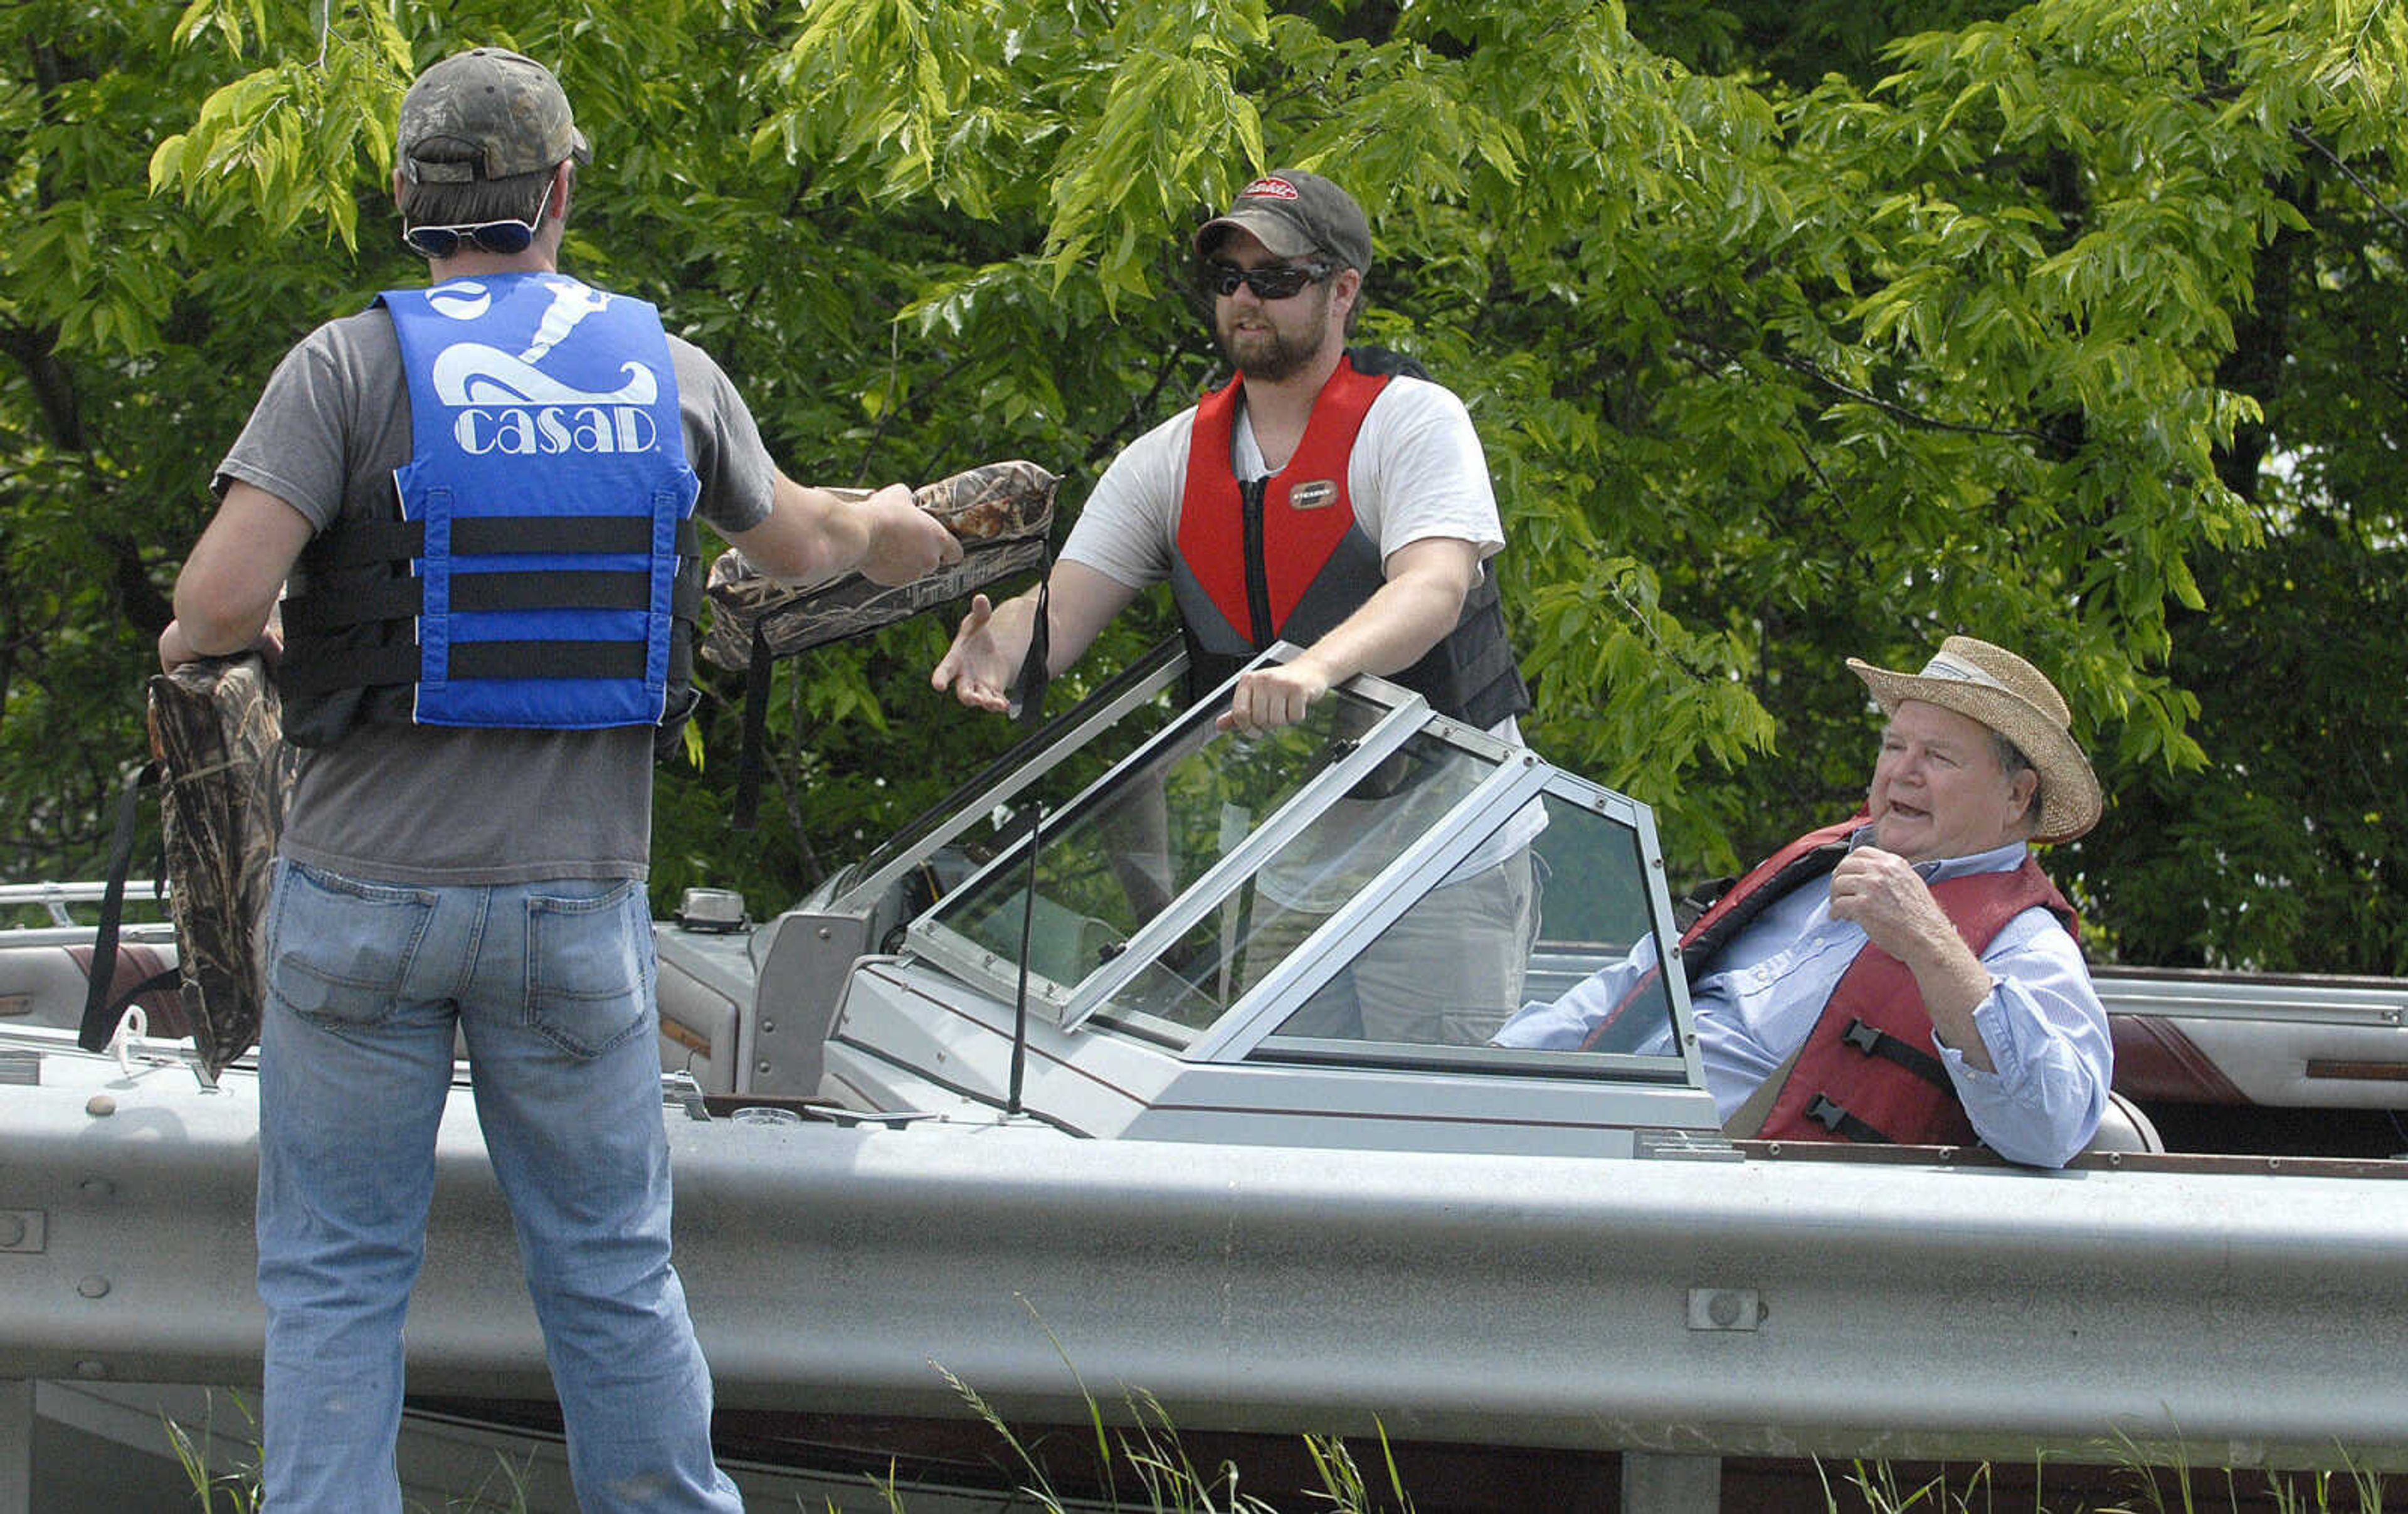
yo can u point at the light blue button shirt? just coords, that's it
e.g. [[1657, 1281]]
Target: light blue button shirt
[[2044, 1025]]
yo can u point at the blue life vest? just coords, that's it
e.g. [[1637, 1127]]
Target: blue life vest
[[544, 573]]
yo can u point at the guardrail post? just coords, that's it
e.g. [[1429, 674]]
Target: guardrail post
[[16, 1446], [1652, 1483]]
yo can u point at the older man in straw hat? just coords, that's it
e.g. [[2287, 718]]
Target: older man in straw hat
[[1908, 974]]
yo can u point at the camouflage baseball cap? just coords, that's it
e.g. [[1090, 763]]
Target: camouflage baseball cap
[[1292, 212], [486, 113]]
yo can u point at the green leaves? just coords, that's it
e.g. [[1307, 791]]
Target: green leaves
[[282, 143], [2057, 326]]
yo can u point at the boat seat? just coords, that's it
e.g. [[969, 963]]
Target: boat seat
[[46, 985], [2125, 1128]]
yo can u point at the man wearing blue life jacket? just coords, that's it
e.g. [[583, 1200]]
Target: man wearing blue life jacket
[[484, 495], [1338, 500]]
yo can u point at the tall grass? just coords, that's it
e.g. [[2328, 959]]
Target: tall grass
[[2151, 1483], [1148, 1453], [238, 1487], [1146, 1458]]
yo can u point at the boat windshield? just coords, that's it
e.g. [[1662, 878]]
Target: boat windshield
[[1178, 852], [1372, 875]]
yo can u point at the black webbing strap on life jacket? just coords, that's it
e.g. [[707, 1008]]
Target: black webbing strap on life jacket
[[1377, 361], [101, 1011], [324, 617], [1875, 1041], [374, 543], [1699, 952], [1826, 1113]]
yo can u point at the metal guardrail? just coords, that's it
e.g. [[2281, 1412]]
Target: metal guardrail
[[1660, 1306], [63, 928]]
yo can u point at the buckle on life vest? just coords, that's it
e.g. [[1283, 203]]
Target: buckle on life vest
[[1835, 1119], [1874, 1042]]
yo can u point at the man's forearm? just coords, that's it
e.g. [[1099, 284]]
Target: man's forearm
[[1955, 983], [1393, 630]]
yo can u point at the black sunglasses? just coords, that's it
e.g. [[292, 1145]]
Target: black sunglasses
[[505, 237], [1280, 281]]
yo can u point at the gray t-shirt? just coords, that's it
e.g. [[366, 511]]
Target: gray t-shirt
[[437, 806]]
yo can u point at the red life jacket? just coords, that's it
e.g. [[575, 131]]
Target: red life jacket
[[1283, 559], [1866, 1072]]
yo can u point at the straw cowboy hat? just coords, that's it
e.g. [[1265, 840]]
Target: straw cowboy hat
[[2003, 691]]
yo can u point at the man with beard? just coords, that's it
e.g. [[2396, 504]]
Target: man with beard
[[1335, 499]]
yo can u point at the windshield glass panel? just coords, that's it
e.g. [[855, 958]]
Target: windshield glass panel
[[1270, 913], [1545, 929], [1116, 863]]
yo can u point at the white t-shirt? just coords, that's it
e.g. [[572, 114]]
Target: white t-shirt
[[1416, 473]]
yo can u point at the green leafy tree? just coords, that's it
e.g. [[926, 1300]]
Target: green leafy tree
[[1793, 333]]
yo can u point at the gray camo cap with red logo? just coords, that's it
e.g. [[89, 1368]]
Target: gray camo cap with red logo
[[1293, 213]]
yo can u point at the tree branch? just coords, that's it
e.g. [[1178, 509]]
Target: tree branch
[[1887, 407], [2308, 140], [54, 385]]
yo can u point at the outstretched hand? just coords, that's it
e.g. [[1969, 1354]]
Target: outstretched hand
[[984, 659]]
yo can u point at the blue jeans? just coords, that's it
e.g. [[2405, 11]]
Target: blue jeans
[[552, 986]]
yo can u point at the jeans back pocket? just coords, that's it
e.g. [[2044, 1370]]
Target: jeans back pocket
[[340, 949], [590, 968]]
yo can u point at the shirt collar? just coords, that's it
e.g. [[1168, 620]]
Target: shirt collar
[[2004, 859]]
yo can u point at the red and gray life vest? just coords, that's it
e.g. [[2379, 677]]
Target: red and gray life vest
[[1865, 1073], [1283, 558], [544, 571]]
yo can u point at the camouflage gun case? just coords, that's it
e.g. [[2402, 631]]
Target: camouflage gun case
[[1000, 511], [225, 773]]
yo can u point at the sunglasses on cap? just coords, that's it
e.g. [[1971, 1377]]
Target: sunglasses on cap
[[505, 237], [1281, 281]]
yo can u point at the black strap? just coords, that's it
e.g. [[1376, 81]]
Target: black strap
[[100, 1013], [545, 659], [485, 536], [1825, 1111], [323, 614], [551, 589], [1036, 670], [756, 731], [1691, 907], [363, 543], [1875, 1041], [400, 598], [398, 662], [1699, 952], [1374, 361]]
